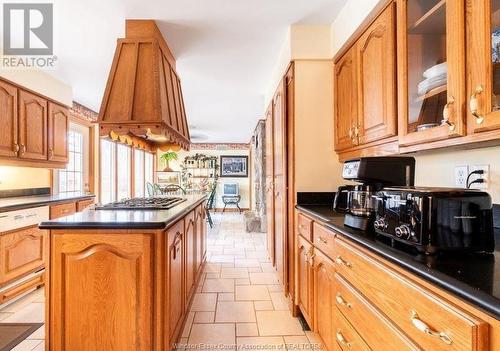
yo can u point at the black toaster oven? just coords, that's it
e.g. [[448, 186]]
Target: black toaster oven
[[436, 219]]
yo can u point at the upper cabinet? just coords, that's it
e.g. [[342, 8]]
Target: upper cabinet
[[377, 79], [483, 65], [431, 70], [34, 130], [365, 86]]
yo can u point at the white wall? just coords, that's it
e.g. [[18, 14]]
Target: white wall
[[244, 183]]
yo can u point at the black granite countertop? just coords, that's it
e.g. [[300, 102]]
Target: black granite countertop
[[22, 202], [474, 278], [125, 219]]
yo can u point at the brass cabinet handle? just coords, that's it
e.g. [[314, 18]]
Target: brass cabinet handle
[[321, 240], [341, 301], [51, 153], [311, 255], [424, 328], [342, 340], [351, 133], [340, 260], [23, 149], [16, 147], [474, 104], [448, 111]]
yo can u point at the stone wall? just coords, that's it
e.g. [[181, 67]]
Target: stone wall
[[259, 173]]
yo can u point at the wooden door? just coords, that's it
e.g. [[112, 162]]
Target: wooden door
[[58, 133], [376, 53], [9, 145], [483, 65], [345, 101], [101, 291], [324, 298], [269, 171], [431, 70], [33, 128], [305, 279], [22, 252], [190, 241], [175, 276], [280, 188]]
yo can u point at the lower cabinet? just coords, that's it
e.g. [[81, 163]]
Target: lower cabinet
[[324, 297], [191, 260], [175, 237], [305, 279], [362, 302], [21, 252]]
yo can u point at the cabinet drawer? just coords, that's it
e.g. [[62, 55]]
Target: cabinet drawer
[[62, 210], [431, 322], [16, 290], [346, 338], [21, 252], [365, 318], [304, 226], [323, 239], [83, 204]]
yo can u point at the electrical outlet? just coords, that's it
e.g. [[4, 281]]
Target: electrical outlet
[[461, 173], [485, 176]]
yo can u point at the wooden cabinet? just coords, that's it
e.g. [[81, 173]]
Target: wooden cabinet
[[483, 66], [305, 279], [269, 163], [101, 291], [58, 133], [9, 146], [33, 126], [22, 251], [377, 110], [347, 338], [83, 204], [175, 236], [324, 297], [431, 70], [62, 210], [346, 100], [201, 239], [191, 244]]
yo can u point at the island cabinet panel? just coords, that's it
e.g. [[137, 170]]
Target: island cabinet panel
[[21, 252], [305, 279], [176, 300], [33, 126], [58, 131], [324, 297], [420, 310], [101, 291], [191, 243], [9, 146], [377, 79], [201, 239]]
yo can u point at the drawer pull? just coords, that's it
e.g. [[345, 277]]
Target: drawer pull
[[341, 261], [321, 240], [424, 328], [341, 301], [342, 341]]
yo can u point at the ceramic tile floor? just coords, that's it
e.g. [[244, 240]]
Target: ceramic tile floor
[[238, 302]]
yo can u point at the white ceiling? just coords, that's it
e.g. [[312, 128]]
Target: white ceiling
[[225, 50]]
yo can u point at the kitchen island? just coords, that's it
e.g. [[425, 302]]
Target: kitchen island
[[123, 279]]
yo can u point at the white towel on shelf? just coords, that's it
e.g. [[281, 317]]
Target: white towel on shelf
[[431, 83], [436, 71]]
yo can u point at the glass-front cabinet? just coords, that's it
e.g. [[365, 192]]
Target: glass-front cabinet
[[431, 70], [483, 65]]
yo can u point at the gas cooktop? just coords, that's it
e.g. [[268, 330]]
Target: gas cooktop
[[143, 203]]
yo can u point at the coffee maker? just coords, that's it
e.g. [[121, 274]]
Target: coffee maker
[[358, 202]]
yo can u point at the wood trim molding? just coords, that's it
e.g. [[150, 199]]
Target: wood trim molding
[[372, 16]]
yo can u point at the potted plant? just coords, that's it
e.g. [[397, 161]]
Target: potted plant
[[166, 158]]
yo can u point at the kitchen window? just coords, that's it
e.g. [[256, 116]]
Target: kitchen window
[[118, 163], [71, 178]]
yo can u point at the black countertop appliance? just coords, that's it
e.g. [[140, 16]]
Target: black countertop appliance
[[373, 173]]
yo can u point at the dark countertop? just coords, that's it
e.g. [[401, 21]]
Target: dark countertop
[[22, 202], [125, 219], [473, 278]]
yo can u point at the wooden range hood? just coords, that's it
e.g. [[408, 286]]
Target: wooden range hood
[[143, 94]]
